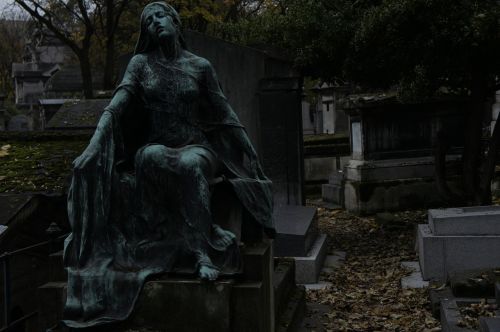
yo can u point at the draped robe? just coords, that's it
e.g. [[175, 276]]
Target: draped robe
[[111, 250]]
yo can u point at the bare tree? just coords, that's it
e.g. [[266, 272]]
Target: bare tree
[[70, 21], [109, 13], [13, 26]]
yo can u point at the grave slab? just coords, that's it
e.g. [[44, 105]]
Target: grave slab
[[440, 255], [480, 220]]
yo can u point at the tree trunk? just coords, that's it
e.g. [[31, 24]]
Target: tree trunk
[[473, 151], [86, 75], [109, 65], [440, 150], [488, 168]]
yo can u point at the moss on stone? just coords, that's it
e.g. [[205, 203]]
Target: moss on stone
[[34, 166]]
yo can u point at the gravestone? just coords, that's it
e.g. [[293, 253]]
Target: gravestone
[[459, 239], [20, 122]]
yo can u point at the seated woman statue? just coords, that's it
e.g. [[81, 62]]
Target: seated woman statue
[[140, 201]]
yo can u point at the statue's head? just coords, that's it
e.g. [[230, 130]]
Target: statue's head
[[158, 20]]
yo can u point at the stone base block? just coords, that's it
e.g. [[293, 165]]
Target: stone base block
[[184, 305], [296, 228], [51, 299], [283, 283], [290, 319], [441, 255], [333, 193], [308, 268], [491, 324], [57, 272]]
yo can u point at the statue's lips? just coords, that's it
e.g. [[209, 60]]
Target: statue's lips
[[159, 29]]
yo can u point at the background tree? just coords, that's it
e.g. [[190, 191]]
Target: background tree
[[418, 47], [13, 28], [70, 21]]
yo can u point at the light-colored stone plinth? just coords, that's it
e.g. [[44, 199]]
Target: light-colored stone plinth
[[477, 220], [440, 255]]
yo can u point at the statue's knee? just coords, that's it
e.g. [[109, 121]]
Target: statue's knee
[[190, 164], [150, 155]]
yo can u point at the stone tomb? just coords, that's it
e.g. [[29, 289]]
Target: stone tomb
[[459, 239], [392, 164]]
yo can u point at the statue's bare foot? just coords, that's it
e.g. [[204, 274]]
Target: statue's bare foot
[[208, 273], [224, 238]]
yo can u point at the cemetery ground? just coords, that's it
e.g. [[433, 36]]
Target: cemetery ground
[[365, 292]]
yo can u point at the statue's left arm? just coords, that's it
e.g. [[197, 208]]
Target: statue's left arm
[[226, 116]]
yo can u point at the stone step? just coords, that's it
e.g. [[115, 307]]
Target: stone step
[[436, 296], [296, 228], [57, 272], [441, 255], [476, 220], [490, 324], [292, 316], [450, 313], [332, 193], [308, 268], [51, 298], [283, 283]]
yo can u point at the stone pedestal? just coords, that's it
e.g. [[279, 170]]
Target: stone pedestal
[[242, 303], [457, 240]]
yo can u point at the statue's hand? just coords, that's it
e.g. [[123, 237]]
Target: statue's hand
[[86, 158]]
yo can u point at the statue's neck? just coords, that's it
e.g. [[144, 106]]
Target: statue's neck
[[170, 49]]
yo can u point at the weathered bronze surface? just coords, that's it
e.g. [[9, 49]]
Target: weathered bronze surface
[[141, 200]]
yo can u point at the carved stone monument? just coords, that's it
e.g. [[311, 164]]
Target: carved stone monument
[[169, 184]]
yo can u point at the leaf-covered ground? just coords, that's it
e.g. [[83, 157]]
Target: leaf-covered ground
[[365, 294], [31, 166]]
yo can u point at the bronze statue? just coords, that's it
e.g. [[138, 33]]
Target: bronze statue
[[141, 197]]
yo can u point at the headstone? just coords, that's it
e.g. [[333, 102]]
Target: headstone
[[20, 123], [281, 133], [452, 243]]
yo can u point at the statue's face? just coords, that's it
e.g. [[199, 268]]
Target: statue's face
[[159, 23]]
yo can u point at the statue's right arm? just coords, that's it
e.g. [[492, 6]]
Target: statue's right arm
[[120, 101]]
